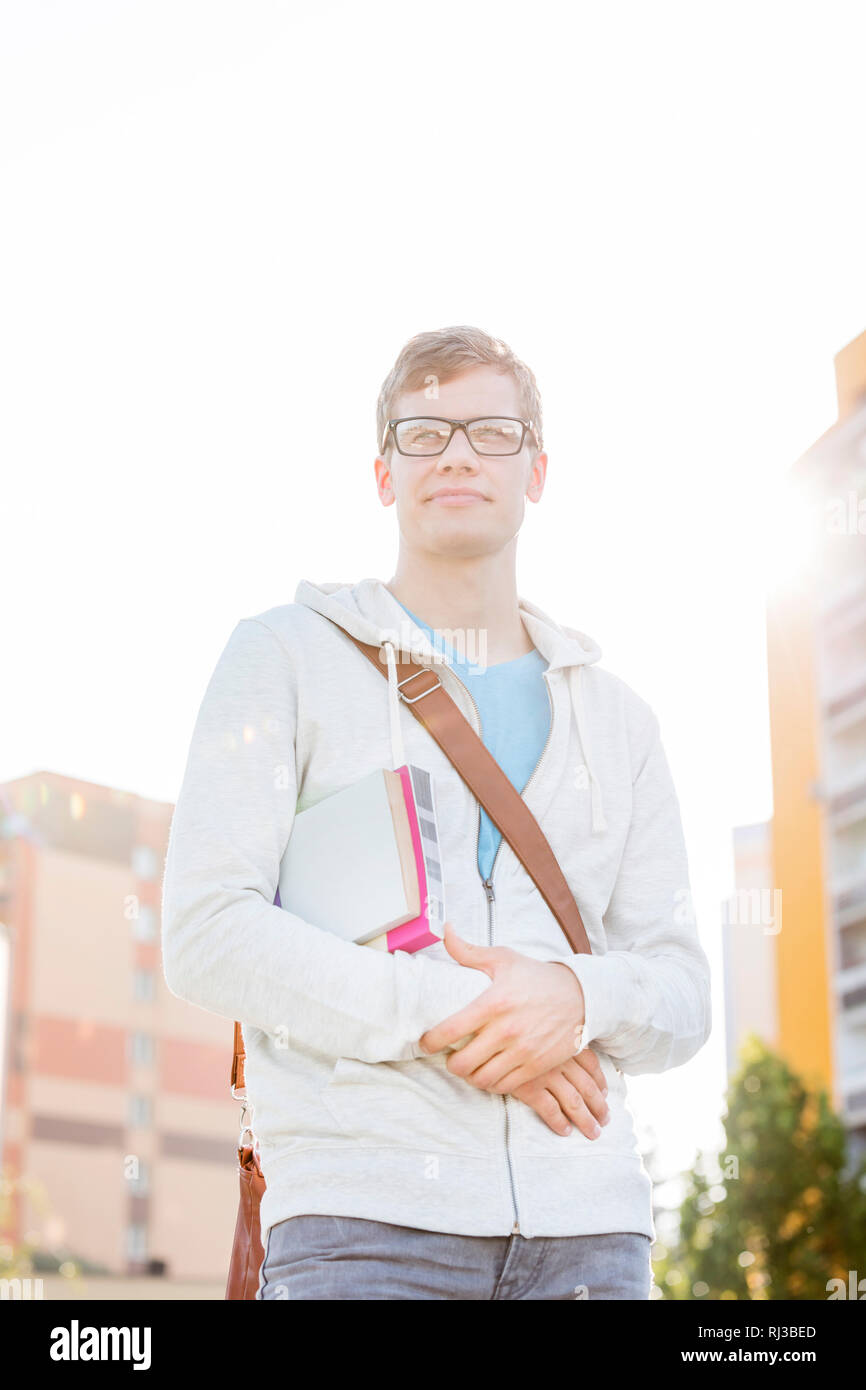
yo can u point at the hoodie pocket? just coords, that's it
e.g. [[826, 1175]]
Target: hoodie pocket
[[533, 1137], [417, 1104]]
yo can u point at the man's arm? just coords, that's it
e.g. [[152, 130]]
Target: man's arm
[[647, 999], [226, 947]]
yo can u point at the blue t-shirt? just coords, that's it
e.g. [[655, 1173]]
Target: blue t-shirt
[[515, 720]]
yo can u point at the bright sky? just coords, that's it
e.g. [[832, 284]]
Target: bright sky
[[222, 223]]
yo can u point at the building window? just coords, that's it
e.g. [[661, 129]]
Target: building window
[[141, 1049], [144, 862], [136, 1242], [139, 1111], [143, 985], [141, 1185], [144, 925]]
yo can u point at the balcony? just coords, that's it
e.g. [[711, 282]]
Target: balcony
[[850, 987], [841, 694], [852, 713], [848, 896], [845, 610], [845, 798], [852, 1089]]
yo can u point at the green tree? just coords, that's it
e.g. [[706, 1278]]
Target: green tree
[[780, 1211]]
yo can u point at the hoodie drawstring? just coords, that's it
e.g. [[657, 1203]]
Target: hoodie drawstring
[[398, 756], [575, 682]]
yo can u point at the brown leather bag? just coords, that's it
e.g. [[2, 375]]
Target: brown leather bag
[[433, 707]]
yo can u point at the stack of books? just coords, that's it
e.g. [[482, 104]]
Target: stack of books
[[364, 863]]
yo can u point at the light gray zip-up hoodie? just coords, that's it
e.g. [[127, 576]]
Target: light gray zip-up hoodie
[[352, 1118]]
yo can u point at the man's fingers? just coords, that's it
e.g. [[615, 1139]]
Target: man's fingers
[[480, 1055], [485, 1077], [583, 1081], [589, 1114], [520, 1075], [588, 1060], [546, 1106], [558, 1104], [451, 1030]]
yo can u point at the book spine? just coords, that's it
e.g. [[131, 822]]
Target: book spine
[[424, 930]]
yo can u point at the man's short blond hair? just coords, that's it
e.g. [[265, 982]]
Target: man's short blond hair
[[445, 352]]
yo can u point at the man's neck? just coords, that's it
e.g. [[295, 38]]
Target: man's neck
[[476, 595]]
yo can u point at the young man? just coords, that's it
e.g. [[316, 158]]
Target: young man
[[428, 1123]]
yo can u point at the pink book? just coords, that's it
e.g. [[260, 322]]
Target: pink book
[[426, 928]]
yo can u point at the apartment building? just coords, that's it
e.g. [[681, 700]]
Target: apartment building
[[117, 1127], [817, 691]]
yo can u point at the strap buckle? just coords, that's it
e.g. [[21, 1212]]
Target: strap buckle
[[413, 699], [246, 1108]]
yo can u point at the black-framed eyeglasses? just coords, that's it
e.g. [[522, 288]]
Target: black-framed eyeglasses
[[426, 436]]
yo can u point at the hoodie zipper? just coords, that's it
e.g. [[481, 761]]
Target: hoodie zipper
[[488, 889]]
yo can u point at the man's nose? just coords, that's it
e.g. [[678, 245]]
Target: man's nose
[[459, 453]]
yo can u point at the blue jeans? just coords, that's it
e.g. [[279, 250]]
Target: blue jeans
[[342, 1257]]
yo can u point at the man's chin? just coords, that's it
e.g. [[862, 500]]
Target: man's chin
[[465, 542]]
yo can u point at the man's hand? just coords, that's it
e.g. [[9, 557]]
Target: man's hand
[[524, 1024], [571, 1094]]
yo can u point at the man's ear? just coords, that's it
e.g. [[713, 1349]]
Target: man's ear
[[537, 477], [384, 481]]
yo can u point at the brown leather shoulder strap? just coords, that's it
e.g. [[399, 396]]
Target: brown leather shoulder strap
[[238, 1060]]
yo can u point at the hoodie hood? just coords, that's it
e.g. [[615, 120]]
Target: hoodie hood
[[369, 611]]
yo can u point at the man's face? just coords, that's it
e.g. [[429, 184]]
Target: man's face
[[489, 512]]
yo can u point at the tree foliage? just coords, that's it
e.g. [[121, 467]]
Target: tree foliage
[[781, 1211]]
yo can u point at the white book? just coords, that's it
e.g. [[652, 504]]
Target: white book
[[349, 866]]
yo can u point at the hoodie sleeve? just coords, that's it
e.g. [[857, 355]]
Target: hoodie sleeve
[[226, 947], [647, 997]]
